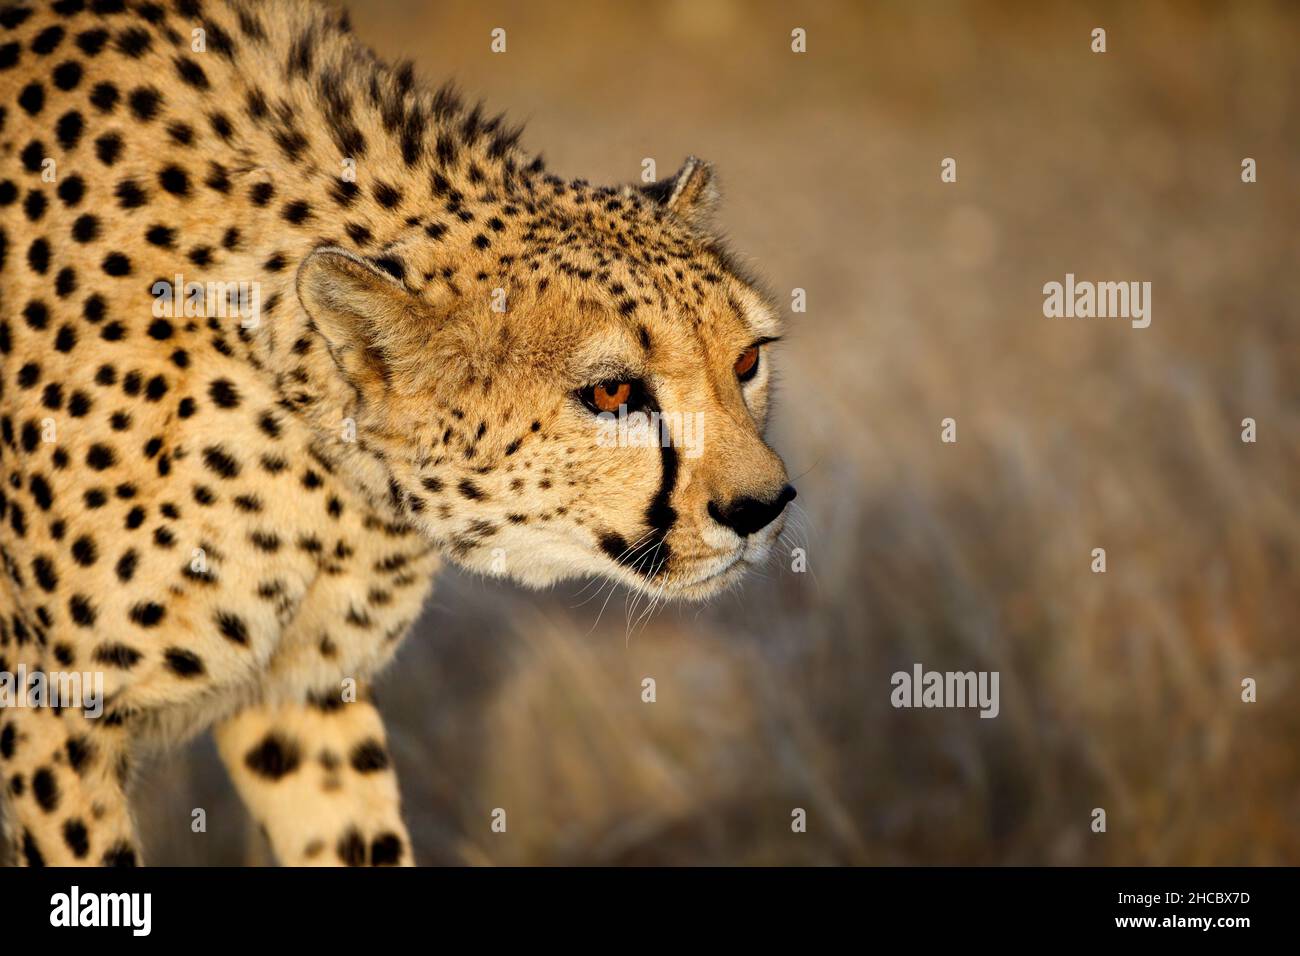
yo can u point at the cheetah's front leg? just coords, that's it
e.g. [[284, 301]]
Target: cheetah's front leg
[[65, 775], [318, 779]]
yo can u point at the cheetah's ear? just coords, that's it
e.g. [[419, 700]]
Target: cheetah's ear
[[374, 327], [691, 195]]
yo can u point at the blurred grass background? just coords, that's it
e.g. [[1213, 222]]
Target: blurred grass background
[[1120, 690]]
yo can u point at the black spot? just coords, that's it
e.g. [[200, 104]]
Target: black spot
[[84, 551], [126, 565], [130, 195], [41, 492], [297, 211], [147, 613], [36, 315], [232, 627], [38, 256], [387, 196], [344, 193], [85, 229], [104, 97], [175, 180], [218, 178], [29, 375], [358, 233], [264, 541], [134, 41], [68, 131], [82, 611], [93, 310], [31, 853], [34, 205], [145, 102], [65, 283], [183, 663], [43, 568], [386, 850], [117, 264], [119, 855], [191, 73], [80, 753], [351, 848], [368, 756], [47, 40], [32, 98], [221, 125], [92, 41], [164, 237], [67, 75], [45, 789], [261, 193], [33, 155], [274, 757], [100, 457], [223, 393], [218, 460], [74, 835], [14, 16]]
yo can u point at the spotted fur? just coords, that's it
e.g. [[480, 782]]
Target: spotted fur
[[237, 523]]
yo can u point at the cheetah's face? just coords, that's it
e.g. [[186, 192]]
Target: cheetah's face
[[607, 419]]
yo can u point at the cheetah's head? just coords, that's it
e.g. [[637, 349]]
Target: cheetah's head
[[575, 382]]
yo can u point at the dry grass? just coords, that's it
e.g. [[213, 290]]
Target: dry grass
[[1118, 690]]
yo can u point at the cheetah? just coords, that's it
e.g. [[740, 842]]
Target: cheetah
[[281, 330]]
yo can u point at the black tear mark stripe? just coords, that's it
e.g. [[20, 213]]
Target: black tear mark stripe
[[661, 515], [650, 558]]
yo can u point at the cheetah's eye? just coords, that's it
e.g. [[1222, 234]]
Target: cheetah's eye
[[747, 364], [609, 396]]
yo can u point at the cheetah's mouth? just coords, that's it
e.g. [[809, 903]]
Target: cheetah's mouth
[[704, 576], [709, 574]]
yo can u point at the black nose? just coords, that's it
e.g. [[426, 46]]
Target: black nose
[[747, 515]]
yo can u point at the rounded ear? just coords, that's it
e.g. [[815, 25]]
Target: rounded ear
[[691, 194], [374, 327]]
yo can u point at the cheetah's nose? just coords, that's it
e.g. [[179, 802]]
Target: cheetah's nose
[[747, 515]]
